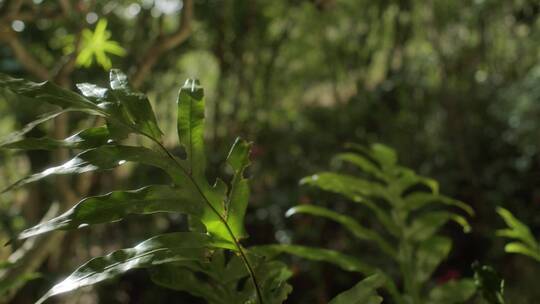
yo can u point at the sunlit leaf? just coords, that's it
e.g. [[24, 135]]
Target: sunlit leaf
[[166, 248], [48, 92], [116, 205], [135, 107], [104, 158], [522, 249], [237, 199], [190, 126], [86, 139], [97, 45], [520, 232], [216, 212]]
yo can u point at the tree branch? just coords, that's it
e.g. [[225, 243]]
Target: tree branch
[[26, 59], [32, 16], [63, 73], [11, 7], [66, 7], [163, 44]]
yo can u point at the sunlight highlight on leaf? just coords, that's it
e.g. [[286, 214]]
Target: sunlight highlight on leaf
[[97, 45]]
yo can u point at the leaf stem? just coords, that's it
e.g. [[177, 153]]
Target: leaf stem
[[223, 221]]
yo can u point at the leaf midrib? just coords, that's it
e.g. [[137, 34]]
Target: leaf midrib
[[223, 220]]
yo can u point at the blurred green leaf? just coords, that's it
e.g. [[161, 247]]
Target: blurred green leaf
[[417, 200], [408, 206], [362, 293], [363, 163], [426, 225], [525, 243], [453, 292], [237, 199], [18, 135], [86, 139], [6, 285], [430, 253], [97, 45], [165, 248], [348, 222]]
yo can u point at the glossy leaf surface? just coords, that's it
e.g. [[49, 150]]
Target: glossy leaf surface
[[237, 199], [48, 92], [135, 107], [104, 158], [166, 248], [216, 210], [116, 205], [190, 126], [86, 139]]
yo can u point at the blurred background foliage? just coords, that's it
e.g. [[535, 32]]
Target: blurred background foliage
[[453, 86]]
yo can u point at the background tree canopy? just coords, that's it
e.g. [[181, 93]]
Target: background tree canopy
[[452, 86]]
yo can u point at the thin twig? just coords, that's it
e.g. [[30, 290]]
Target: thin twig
[[31, 16], [163, 44], [22, 54], [64, 71], [25, 58], [11, 7]]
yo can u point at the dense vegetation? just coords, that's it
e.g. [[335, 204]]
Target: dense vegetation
[[451, 87]]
